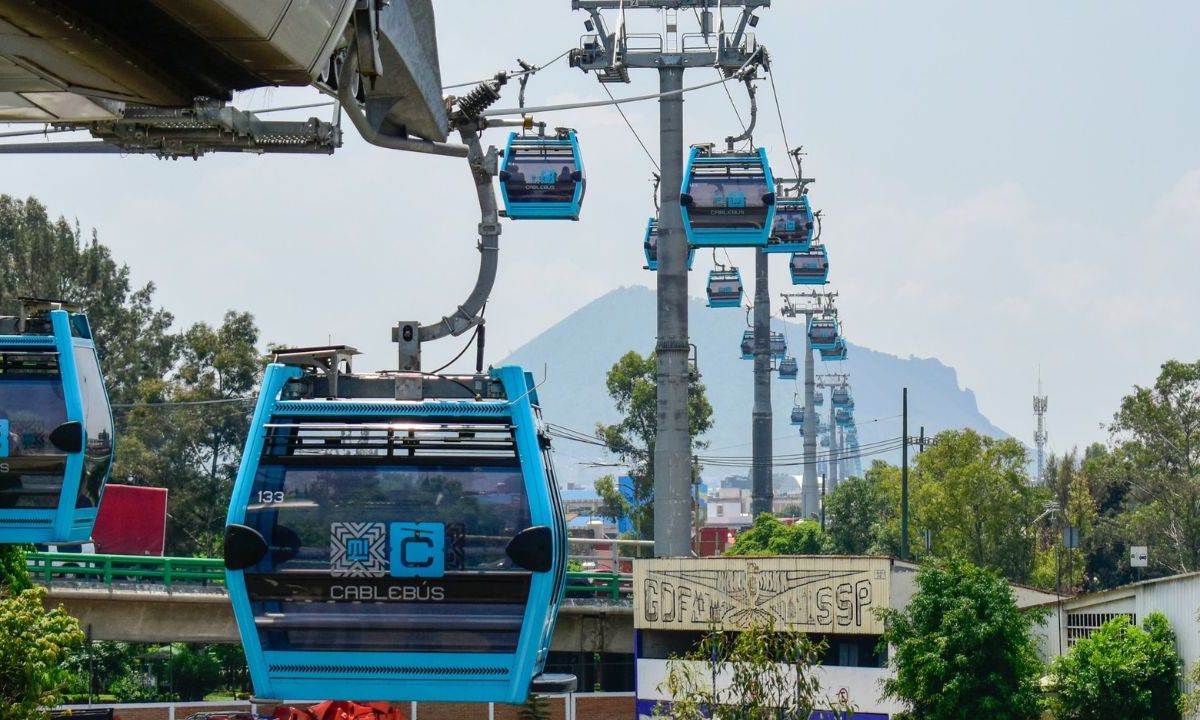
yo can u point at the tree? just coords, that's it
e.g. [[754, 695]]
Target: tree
[[973, 493], [34, 645], [1158, 430], [768, 536], [188, 433], [14, 573], [1120, 671], [862, 514], [770, 675], [49, 259], [633, 386], [961, 648]]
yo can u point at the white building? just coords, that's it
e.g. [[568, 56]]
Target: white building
[[728, 507], [1176, 597], [831, 598]]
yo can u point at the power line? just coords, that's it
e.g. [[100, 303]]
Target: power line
[[168, 404]]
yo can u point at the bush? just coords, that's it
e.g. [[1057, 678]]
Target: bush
[[1121, 671]]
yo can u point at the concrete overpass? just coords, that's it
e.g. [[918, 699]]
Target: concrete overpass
[[135, 612]]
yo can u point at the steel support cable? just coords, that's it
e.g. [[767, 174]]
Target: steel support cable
[[630, 126], [737, 75], [510, 74], [782, 127]]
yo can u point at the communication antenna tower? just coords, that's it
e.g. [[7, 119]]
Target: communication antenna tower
[[1039, 435]]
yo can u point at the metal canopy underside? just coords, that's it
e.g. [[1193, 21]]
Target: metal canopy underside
[[81, 62]]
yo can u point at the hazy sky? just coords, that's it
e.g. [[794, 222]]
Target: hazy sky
[[1006, 185]]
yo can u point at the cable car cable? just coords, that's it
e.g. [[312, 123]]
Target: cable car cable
[[782, 127], [737, 75], [635, 135], [509, 74]]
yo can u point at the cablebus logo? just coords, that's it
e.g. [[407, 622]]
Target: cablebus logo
[[418, 549]]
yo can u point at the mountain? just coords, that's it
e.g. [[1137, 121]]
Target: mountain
[[573, 356]]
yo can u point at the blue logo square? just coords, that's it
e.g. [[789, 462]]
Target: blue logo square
[[4, 437], [418, 549]]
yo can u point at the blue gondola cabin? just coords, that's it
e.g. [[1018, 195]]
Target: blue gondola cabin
[[542, 178], [56, 425], [794, 226], [384, 549], [727, 199]]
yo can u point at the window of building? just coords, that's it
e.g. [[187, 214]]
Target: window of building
[[1081, 625]]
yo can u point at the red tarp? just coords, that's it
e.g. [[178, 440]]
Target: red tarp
[[131, 521]]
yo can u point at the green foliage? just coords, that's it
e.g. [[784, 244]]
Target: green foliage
[[961, 649], [973, 493], [534, 708], [14, 573], [1159, 433], [1121, 671], [862, 515], [194, 450], [770, 675], [51, 259], [768, 536], [633, 385], [34, 645], [193, 672]]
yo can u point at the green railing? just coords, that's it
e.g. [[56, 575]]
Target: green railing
[[171, 571], [168, 571]]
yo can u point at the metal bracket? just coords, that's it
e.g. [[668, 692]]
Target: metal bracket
[[407, 335]]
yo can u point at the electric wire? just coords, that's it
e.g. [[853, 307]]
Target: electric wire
[[462, 352], [785, 460], [168, 404]]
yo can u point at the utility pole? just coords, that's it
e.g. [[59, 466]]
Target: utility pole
[[609, 55], [762, 492], [904, 479], [807, 305]]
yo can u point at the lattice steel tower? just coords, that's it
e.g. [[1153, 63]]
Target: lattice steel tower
[[1039, 435]]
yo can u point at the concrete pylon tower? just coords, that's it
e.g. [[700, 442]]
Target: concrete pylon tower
[[1040, 402]]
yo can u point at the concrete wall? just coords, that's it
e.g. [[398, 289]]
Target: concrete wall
[[151, 614]]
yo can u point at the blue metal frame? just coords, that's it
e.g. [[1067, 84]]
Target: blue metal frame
[[728, 237], [65, 523], [838, 352], [545, 210], [730, 274], [652, 258], [798, 279], [831, 343], [789, 369], [464, 677], [783, 206]]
